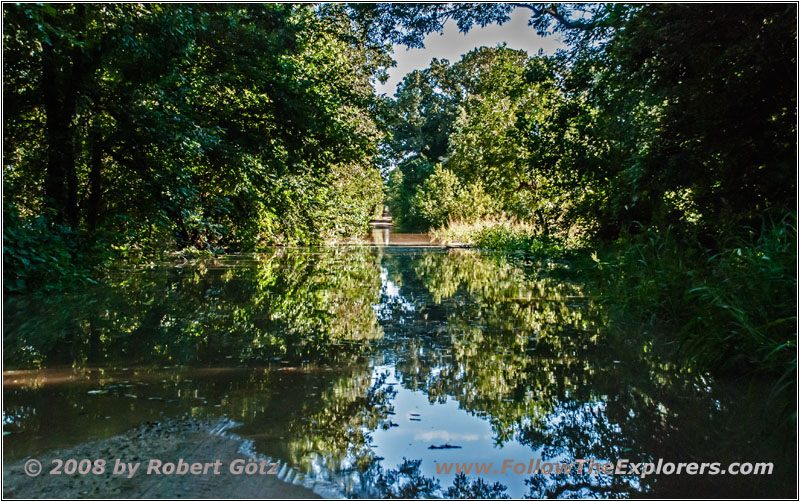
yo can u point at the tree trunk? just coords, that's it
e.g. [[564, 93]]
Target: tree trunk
[[95, 180], [61, 183]]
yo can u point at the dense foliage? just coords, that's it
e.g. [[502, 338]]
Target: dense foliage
[[153, 127], [676, 120], [663, 140]]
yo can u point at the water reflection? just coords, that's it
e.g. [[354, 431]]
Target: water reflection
[[348, 362], [298, 306], [385, 236]]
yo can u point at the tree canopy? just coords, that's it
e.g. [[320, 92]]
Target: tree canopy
[[131, 128], [657, 115], [186, 125]]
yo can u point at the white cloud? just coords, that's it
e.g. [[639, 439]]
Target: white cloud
[[447, 436]]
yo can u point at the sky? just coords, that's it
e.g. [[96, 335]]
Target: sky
[[451, 45]]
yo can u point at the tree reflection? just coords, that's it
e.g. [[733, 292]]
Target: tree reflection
[[529, 349], [295, 307]]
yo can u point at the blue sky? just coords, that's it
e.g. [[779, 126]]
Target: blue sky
[[451, 45]]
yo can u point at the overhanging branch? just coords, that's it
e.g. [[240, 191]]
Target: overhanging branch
[[575, 24]]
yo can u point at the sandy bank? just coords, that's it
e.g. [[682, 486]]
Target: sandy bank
[[188, 439]]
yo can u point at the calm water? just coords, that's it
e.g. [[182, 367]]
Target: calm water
[[350, 363]]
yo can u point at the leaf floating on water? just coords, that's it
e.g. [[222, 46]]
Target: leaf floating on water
[[442, 447], [389, 424]]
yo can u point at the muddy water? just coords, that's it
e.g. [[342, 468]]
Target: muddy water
[[368, 367]]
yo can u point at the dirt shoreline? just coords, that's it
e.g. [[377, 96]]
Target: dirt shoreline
[[188, 439]]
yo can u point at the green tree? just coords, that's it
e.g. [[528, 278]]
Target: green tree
[[714, 110], [164, 126]]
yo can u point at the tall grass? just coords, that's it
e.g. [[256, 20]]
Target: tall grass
[[502, 234], [733, 311]]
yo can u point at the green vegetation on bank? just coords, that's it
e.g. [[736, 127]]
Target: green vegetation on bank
[[732, 311], [502, 234], [647, 127], [131, 130]]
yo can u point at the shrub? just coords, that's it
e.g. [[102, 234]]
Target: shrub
[[501, 234], [443, 198], [39, 254]]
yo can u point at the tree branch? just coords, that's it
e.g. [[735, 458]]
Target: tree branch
[[553, 12]]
